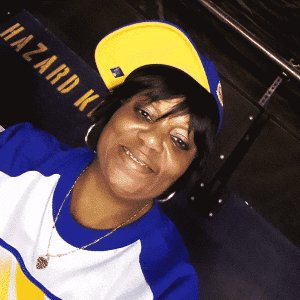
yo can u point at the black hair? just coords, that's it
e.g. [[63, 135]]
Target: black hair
[[159, 82]]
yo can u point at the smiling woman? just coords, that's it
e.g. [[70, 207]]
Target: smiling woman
[[97, 231], [170, 125]]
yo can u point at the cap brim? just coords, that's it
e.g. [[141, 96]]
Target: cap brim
[[146, 43]]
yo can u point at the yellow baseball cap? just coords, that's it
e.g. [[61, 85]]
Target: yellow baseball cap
[[153, 42]]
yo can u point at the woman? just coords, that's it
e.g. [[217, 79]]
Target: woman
[[84, 224]]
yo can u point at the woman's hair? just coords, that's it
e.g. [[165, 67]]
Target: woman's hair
[[159, 82]]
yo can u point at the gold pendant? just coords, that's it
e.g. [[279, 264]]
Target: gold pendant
[[42, 262]]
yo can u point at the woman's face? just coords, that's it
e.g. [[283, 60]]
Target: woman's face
[[140, 156]]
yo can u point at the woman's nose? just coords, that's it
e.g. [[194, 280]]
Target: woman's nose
[[152, 137]]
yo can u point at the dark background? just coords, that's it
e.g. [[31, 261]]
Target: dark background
[[243, 229]]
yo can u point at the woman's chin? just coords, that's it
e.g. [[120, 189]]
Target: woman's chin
[[131, 190], [126, 191]]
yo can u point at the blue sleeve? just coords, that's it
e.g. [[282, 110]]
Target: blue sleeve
[[166, 267], [184, 285], [24, 148]]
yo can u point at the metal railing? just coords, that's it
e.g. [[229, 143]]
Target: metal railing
[[287, 67]]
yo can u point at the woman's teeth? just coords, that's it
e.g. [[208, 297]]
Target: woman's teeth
[[134, 158]]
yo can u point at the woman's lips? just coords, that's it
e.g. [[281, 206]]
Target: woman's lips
[[137, 160]]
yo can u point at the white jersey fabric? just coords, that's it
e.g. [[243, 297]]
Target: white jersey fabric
[[143, 260]]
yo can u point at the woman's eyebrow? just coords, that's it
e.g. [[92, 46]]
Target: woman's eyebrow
[[182, 125], [176, 110]]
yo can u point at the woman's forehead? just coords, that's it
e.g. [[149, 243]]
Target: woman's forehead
[[166, 105], [163, 105]]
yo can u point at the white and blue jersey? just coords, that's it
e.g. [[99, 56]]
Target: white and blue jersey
[[143, 260]]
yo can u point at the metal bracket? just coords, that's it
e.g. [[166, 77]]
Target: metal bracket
[[264, 100]]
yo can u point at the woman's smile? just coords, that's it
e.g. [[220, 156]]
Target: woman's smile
[[140, 164]]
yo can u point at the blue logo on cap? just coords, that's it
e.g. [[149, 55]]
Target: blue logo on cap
[[117, 72]]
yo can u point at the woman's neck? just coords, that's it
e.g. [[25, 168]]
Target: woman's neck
[[94, 205]]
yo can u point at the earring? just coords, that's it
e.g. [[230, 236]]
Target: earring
[[88, 133], [167, 198]]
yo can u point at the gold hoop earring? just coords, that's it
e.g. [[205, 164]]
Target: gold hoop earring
[[167, 198]]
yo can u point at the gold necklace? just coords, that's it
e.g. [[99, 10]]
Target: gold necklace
[[43, 260]]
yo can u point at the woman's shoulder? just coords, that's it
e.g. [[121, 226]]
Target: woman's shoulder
[[165, 233], [23, 134], [165, 261], [24, 147]]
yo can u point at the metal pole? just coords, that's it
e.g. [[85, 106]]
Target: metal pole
[[286, 66]]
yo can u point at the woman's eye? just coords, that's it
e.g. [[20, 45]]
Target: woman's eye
[[180, 143], [143, 114]]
